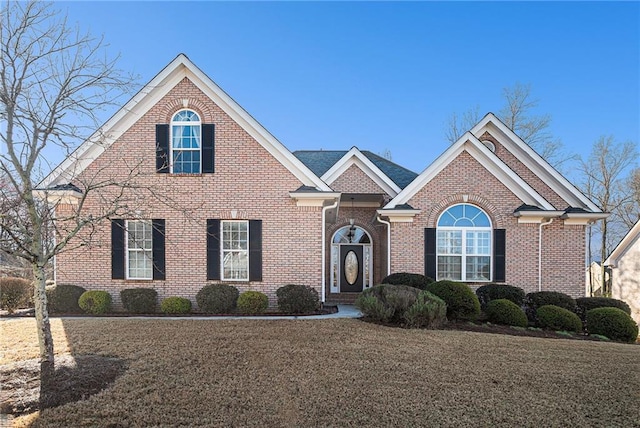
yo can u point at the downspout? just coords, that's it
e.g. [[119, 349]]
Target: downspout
[[540, 252], [379, 218], [324, 248]]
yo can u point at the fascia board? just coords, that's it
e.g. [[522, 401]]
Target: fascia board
[[535, 162], [624, 245], [356, 157]]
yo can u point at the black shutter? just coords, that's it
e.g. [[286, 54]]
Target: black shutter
[[208, 148], [213, 249], [430, 252], [255, 250], [158, 249], [499, 251], [117, 249], [162, 148]]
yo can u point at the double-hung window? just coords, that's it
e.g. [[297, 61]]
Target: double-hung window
[[464, 244], [235, 250], [139, 249], [186, 143]]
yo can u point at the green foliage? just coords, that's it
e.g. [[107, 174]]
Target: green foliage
[[504, 311], [140, 300], [95, 302], [15, 293], [217, 298], [533, 301], [175, 305], [557, 318], [490, 292], [297, 299], [415, 280], [428, 311], [63, 299], [585, 304], [253, 302], [462, 303], [613, 323]]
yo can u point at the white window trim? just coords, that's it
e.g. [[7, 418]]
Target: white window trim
[[183, 123], [126, 250], [222, 251]]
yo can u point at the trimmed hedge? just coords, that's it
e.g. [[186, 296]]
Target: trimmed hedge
[[297, 299], [505, 312], [533, 301], [217, 298], [462, 303], [613, 323], [253, 302], [402, 305], [140, 300], [15, 293], [415, 280], [490, 292], [63, 299], [585, 304], [175, 305], [558, 319], [95, 302]]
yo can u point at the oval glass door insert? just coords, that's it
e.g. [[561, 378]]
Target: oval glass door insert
[[351, 267]]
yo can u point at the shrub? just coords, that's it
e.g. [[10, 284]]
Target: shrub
[[613, 323], [139, 300], [490, 292], [428, 311], [15, 293], [217, 298], [504, 311], [533, 301], [175, 305], [461, 301], [253, 302], [411, 279], [585, 304], [297, 299], [95, 302], [557, 318], [63, 298]]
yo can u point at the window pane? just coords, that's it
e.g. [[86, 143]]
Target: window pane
[[449, 242], [478, 268], [450, 267], [235, 242]]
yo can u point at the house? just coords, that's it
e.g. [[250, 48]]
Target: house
[[216, 198], [624, 262]]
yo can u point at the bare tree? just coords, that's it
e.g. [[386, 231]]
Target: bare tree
[[54, 82], [605, 182], [630, 210]]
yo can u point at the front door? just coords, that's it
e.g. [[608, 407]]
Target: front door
[[351, 268]]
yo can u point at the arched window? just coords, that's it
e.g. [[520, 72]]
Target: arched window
[[464, 244], [185, 142]]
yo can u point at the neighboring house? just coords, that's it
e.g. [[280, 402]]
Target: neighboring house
[[594, 279], [220, 199], [625, 271]]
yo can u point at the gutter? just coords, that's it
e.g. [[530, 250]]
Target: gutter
[[379, 218], [324, 248]]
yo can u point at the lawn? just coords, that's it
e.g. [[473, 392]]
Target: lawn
[[203, 373]]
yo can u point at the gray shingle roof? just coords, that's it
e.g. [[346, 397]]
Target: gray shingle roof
[[320, 161]]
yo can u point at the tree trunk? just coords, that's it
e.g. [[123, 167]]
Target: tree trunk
[[45, 340]]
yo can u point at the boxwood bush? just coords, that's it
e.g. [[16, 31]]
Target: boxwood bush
[[253, 302], [613, 323], [504, 311], [95, 302], [297, 299], [140, 300], [15, 293], [462, 303], [490, 292], [558, 319], [402, 305], [533, 301], [585, 304], [175, 305], [411, 279], [63, 298], [217, 298]]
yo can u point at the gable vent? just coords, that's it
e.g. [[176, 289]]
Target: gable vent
[[489, 145]]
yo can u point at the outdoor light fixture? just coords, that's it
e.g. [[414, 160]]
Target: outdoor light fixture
[[352, 227]]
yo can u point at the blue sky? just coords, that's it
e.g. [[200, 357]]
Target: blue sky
[[388, 75]]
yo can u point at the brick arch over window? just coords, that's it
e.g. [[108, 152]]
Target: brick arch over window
[[497, 218], [172, 107]]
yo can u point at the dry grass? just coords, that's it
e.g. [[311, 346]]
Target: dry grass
[[337, 373]]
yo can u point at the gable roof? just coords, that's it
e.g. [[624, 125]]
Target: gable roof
[[147, 97], [321, 161], [629, 239]]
